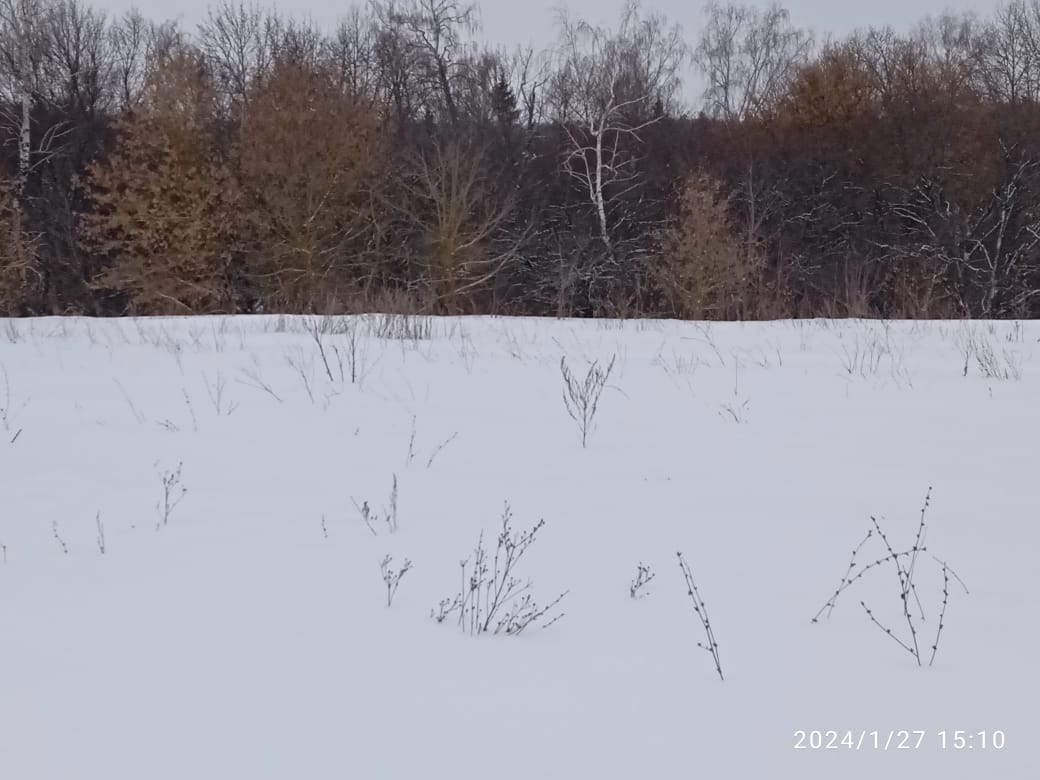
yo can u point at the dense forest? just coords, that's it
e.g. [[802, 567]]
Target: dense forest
[[397, 162]]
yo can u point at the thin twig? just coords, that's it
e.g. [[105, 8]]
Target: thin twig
[[702, 612], [942, 612]]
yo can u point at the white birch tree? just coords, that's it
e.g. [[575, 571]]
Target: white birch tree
[[608, 86]]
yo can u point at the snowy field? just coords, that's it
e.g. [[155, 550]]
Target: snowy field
[[195, 513]]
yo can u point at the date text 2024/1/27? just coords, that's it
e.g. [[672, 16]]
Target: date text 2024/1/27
[[898, 740]]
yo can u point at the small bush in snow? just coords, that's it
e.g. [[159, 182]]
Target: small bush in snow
[[391, 578], [905, 564], [581, 397], [492, 597]]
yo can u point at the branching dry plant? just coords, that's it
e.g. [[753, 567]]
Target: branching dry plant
[[581, 396], [905, 564], [173, 492], [351, 362], [413, 452], [637, 588], [254, 378], [402, 327], [701, 609], [492, 598], [388, 515], [392, 578], [1002, 365], [304, 368], [216, 390]]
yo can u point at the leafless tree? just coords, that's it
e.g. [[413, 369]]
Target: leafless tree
[[79, 66], [954, 46], [1010, 65], [397, 64], [352, 56], [747, 57], [461, 217], [236, 43], [25, 48], [528, 74], [437, 32], [986, 251], [607, 87], [128, 41]]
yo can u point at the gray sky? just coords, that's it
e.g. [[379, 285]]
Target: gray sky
[[512, 22]]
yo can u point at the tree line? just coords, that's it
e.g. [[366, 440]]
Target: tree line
[[396, 162]]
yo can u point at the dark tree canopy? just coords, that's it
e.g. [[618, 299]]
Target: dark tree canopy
[[259, 163]]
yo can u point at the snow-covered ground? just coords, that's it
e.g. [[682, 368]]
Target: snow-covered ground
[[243, 631]]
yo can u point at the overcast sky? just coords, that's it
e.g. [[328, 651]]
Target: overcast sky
[[512, 22]]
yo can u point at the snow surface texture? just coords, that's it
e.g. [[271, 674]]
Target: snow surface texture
[[245, 637]]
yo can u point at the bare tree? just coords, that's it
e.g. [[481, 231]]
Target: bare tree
[[987, 251], [1010, 57], [748, 56], [461, 219], [236, 43], [128, 41], [79, 65], [954, 46], [352, 56], [608, 86], [430, 35], [24, 52], [397, 62], [438, 27]]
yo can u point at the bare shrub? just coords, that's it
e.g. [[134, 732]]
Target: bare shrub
[[173, 492], [905, 564], [223, 406], [304, 369], [391, 578], [254, 378], [581, 397], [492, 597], [348, 363], [636, 589], [402, 327], [1001, 364]]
